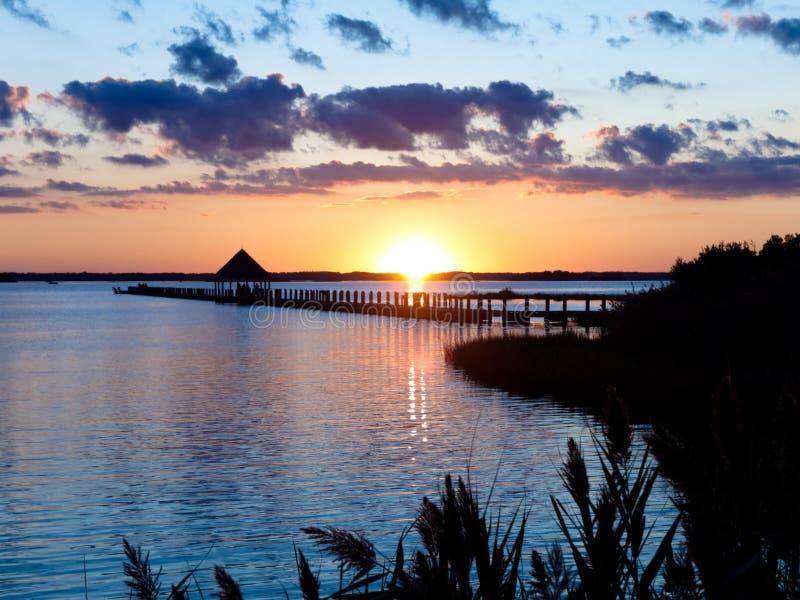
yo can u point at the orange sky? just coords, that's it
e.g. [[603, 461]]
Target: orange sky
[[495, 228]]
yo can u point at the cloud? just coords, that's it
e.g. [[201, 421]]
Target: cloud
[[58, 205], [13, 101], [70, 186], [404, 196], [618, 42], [5, 167], [253, 117], [365, 35], [130, 204], [19, 9], [393, 117], [11, 191], [716, 127], [54, 138], [215, 26], [711, 26], [780, 115], [16, 209], [51, 159], [595, 23], [12, 209], [138, 160], [274, 23], [735, 3], [198, 59], [772, 145], [654, 145], [469, 14], [785, 33], [307, 57], [632, 80], [664, 22], [719, 178], [125, 16], [244, 121], [130, 49]]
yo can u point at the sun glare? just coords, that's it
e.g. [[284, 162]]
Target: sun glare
[[416, 258]]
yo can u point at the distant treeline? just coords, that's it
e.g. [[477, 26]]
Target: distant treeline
[[333, 276]]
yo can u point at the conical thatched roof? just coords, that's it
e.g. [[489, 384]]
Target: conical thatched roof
[[242, 267]]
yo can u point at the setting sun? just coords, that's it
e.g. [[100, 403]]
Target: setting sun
[[415, 258]]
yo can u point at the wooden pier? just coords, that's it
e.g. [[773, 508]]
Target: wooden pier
[[496, 308]]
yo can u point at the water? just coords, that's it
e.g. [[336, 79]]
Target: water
[[182, 426]]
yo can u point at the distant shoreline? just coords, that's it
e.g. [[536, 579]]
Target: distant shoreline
[[332, 276]]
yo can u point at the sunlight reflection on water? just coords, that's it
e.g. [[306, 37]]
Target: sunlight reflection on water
[[180, 425]]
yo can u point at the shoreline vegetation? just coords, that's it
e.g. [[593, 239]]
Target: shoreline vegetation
[[712, 362], [333, 276]]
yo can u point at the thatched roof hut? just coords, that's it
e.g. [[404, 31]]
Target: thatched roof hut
[[242, 268]]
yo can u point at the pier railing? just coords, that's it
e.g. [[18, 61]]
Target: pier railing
[[488, 308]]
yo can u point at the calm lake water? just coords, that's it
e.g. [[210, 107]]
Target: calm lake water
[[184, 426]]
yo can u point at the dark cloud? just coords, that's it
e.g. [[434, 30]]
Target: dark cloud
[[664, 22], [716, 127], [198, 59], [735, 3], [785, 33], [632, 80], [70, 186], [253, 117], [130, 204], [20, 10], [391, 117], [655, 145], [59, 205], [772, 145], [13, 102], [720, 178], [54, 138], [274, 23], [711, 26], [365, 35], [244, 121], [51, 159], [125, 16], [137, 160], [470, 14], [307, 57], [618, 42], [6, 171], [12, 209], [215, 26], [130, 49], [12, 191], [780, 115]]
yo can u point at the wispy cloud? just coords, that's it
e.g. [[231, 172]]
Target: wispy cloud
[[21, 10], [631, 80], [137, 160], [364, 35]]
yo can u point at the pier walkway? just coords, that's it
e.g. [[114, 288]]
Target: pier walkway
[[502, 308]]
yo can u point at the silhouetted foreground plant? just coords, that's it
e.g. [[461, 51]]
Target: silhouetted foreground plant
[[738, 485], [465, 553]]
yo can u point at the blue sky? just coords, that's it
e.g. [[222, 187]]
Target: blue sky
[[319, 105]]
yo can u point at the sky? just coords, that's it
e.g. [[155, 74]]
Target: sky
[[508, 136]]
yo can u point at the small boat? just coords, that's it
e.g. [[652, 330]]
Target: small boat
[[52, 282]]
